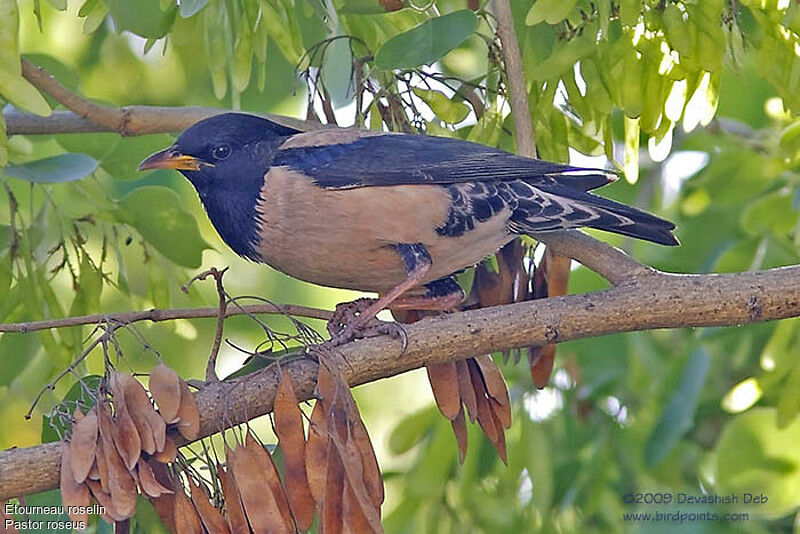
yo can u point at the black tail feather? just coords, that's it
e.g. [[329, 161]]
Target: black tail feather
[[581, 209]]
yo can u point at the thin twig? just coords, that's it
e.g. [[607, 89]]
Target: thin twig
[[107, 117], [211, 366], [158, 315]]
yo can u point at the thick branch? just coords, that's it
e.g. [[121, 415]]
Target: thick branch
[[609, 262], [649, 302]]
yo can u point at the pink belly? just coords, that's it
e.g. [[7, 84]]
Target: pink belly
[[346, 238]]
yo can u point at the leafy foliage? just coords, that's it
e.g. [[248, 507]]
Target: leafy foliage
[[697, 101]]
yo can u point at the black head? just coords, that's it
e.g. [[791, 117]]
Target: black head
[[225, 158], [220, 151]]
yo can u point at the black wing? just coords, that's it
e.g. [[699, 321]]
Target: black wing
[[370, 159]]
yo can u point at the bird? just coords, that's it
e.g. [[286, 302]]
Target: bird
[[391, 213]]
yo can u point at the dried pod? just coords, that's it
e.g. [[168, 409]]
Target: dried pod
[[332, 503], [354, 475], [233, 501], [468, 394], [317, 452], [485, 417], [187, 520], [251, 480], [373, 480], [168, 453], [165, 386], [326, 386], [74, 495], [147, 480], [459, 425], [210, 517], [188, 416], [102, 467], [541, 358], [500, 442], [443, 378], [8, 520], [502, 413], [110, 515], [125, 435], [121, 484], [150, 426], [353, 519], [264, 459], [291, 439], [83, 444]]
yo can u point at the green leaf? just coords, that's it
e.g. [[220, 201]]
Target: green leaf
[[564, 57], [156, 214], [18, 351], [428, 42], [22, 94], [123, 160], [96, 145], [9, 37], [190, 7], [362, 7], [678, 414], [753, 455], [55, 169], [550, 11], [771, 213], [411, 430], [88, 289], [444, 108], [789, 401], [143, 17]]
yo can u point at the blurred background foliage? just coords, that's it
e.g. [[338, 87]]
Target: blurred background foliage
[[697, 101]]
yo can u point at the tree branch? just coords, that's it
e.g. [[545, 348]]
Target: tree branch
[[643, 302], [158, 315], [515, 73]]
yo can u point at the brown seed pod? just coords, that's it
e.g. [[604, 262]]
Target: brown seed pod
[[149, 425], [252, 480], [188, 416], [165, 386], [147, 480], [210, 517], [110, 515], [332, 503], [443, 378], [468, 393], [233, 501], [459, 425], [263, 457], [74, 495], [121, 484], [168, 453], [83, 444], [291, 440], [125, 434], [317, 452], [187, 520]]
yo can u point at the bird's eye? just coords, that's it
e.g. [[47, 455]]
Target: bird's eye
[[221, 152]]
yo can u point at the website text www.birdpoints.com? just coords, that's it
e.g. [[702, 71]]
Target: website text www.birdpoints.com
[[679, 507]]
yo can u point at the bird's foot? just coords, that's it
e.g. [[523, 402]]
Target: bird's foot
[[349, 323]]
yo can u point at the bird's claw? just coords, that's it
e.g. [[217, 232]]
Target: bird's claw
[[346, 325]]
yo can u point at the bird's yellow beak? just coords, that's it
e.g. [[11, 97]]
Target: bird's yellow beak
[[170, 158]]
